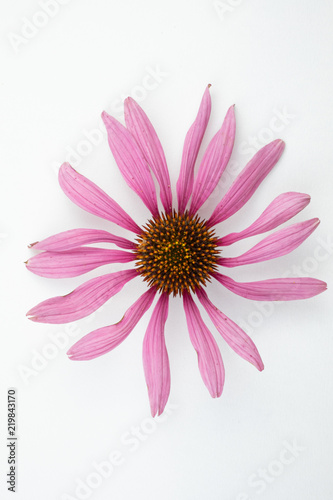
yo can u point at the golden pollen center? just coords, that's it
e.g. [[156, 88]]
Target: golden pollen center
[[176, 252]]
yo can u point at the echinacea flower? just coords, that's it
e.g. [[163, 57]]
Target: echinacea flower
[[176, 253]]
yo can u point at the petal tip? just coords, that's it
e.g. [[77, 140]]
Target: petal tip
[[315, 223], [105, 117], [306, 198], [277, 143], [218, 393], [231, 112], [154, 413], [65, 167], [260, 366], [129, 100]]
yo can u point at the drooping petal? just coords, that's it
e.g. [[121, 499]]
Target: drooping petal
[[75, 262], [155, 358], [105, 339], [247, 181], [131, 162], [284, 207], [84, 300], [74, 238], [275, 245], [214, 162], [91, 198], [190, 151], [274, 289], [143, 131], [238, 340], [209, 356]]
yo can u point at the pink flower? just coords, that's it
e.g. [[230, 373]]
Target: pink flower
[[176, 252]]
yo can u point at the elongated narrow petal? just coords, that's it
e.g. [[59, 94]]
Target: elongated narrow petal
[[284, 207], [209, 356], [274, 289], [190, 151], [68, 240], [75, 262], [84, 300], [155, 358], [247, 181], [131, 162], [238, 340], [214, 162], [105, 339], [91, 198], [143, 131], [275, 245]]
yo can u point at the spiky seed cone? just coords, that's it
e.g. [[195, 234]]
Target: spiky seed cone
[[176, 252]]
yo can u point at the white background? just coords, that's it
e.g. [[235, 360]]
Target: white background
[[271, 59]]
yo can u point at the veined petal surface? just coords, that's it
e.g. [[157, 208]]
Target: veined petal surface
[[75, 262], [84, 300], [190, 152], [144, 133], [91, 198], [275, 245], [274, 289], [68, 240], [284, 207], [131, 162], [105, 339], [214, 162], [237, 339], [155, 357], [209, 356], [247, 181]]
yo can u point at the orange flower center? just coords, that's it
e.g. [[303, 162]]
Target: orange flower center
[[176, 253]]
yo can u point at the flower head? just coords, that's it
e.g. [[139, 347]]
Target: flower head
[[177, 252]]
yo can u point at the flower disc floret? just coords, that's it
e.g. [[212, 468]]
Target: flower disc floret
[[176, 252]]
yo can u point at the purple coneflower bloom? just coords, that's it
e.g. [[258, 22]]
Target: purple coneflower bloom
[[176, 252]]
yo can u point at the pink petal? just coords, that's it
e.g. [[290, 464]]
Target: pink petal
[[75, 262], [190, 152], [74, 238], [91, 198], [131, 162], [142, 130], [214, 162], [105, 339], [84, 300], [247, 182], [209, 357], [277, 244], [155, 358], [232, 333], [283, 208], [274, 289]]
